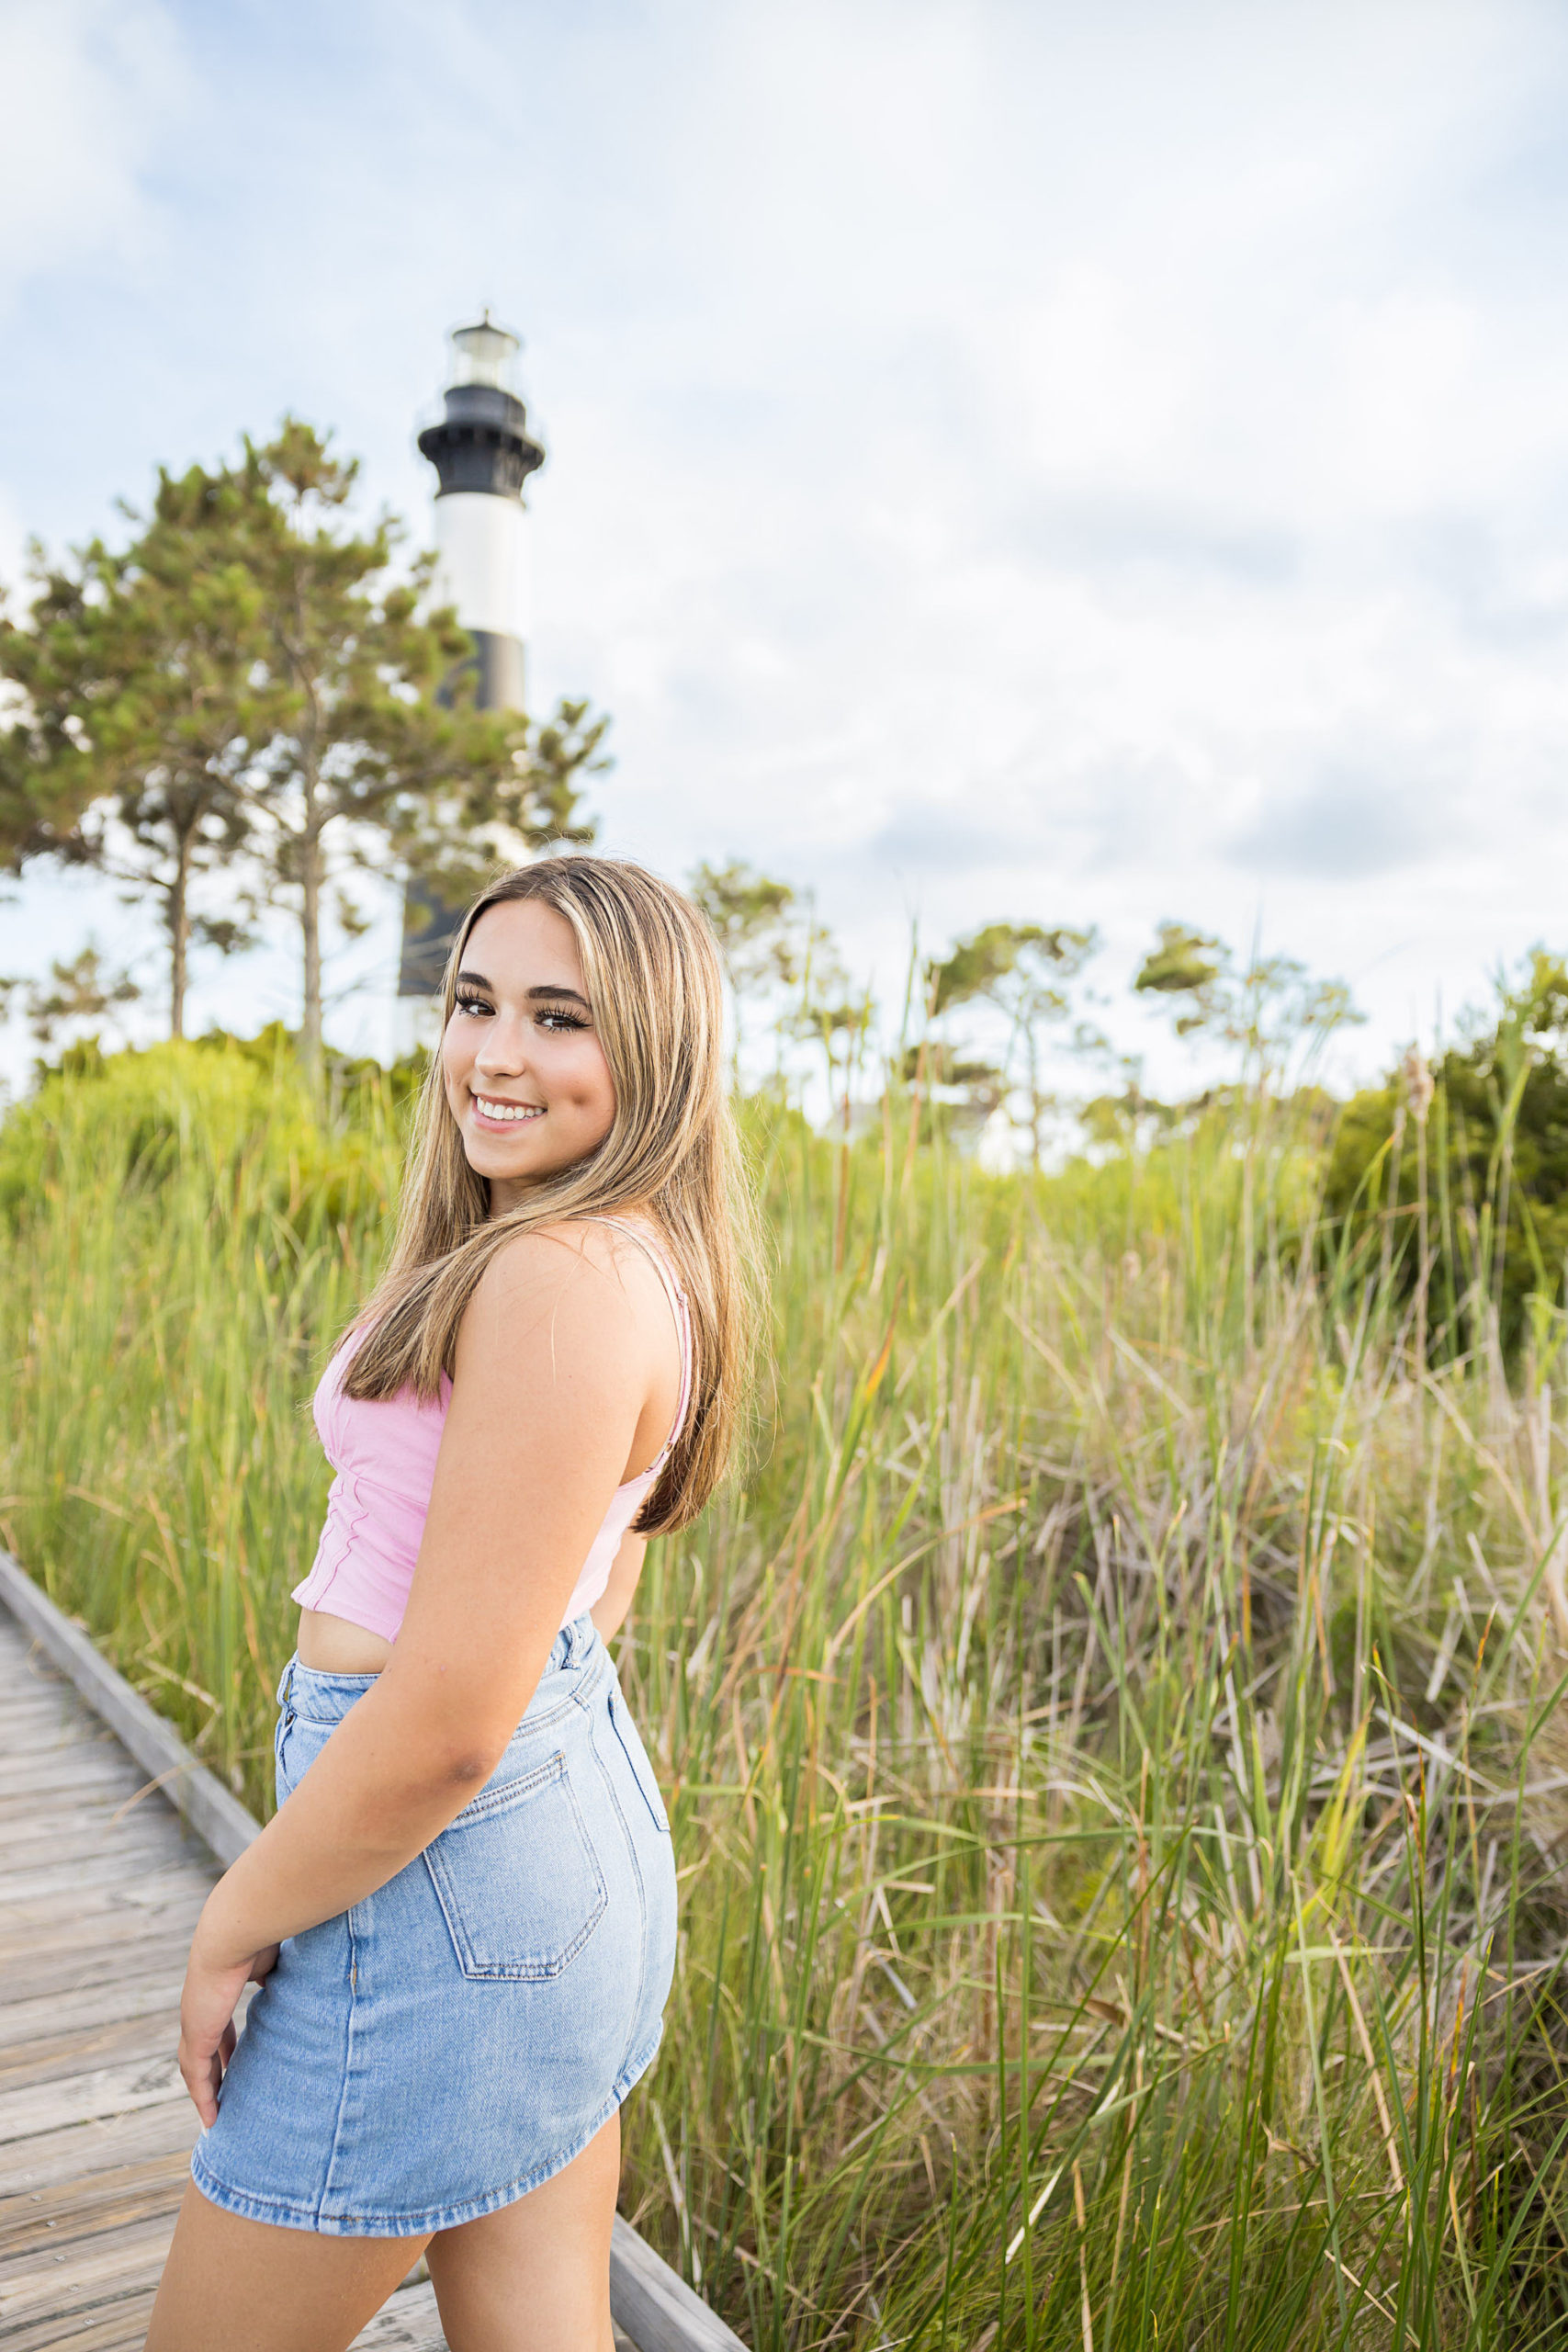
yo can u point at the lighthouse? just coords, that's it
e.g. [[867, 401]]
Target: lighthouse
[[482, 453]]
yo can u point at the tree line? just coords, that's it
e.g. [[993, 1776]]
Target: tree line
[[1444, 1186]]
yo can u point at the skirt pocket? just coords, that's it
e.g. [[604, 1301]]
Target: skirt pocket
[[517, 1877]]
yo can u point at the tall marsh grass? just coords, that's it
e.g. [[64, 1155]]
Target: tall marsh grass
[[1111, 1734]]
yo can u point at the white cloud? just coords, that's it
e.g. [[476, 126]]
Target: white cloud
[[92, 88]]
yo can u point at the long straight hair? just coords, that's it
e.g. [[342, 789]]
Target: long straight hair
[[651, 970]]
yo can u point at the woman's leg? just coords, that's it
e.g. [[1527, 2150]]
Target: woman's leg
[[535, 2275], [251, 2287]]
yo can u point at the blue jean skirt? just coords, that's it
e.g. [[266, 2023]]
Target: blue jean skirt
[[460, 2035]]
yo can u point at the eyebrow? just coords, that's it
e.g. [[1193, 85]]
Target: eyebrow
[[533, 996]]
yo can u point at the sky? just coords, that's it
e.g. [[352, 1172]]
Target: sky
[[1006, 460]]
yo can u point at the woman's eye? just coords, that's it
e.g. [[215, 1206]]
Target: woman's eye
[[560, 1020], [470, 1004]]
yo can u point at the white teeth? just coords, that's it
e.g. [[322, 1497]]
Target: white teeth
[[509, 1111]]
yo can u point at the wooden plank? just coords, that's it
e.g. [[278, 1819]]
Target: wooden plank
[[655, 2305], [54, 2266], [99, 1891], [104, 2287], [41, 2231], [109, 1916], [90, 1774], [94, 2202], [40, 1735], [31, 1891], [180, 1859], [43, 1763], [78, 2278], [37, 1672], [39, 1727], [407, 2322], [75, 1836], [37, 2022], [93, 1817], [37, 1869], [34, 2166], [213, 1811], [36, 1885], [69, 1952], [120, 2327], [37, 1678], [87, 1775], [43, 1707], [54, 2058], [53, 1961], [410, 2322], [76, 2282], [97, 2093]]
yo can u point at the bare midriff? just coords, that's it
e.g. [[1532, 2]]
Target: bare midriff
[[330, 1645]]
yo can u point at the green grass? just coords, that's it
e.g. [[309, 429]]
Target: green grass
[[1111, 1733]]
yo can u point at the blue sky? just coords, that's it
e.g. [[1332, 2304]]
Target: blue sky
[[1005, 458]]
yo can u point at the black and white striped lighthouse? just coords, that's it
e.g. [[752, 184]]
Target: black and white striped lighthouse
[[482, 455]]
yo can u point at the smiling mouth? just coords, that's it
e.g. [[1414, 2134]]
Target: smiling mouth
[[505, 1114]]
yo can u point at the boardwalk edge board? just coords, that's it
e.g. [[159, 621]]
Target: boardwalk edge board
[[648, 2300], [213, 1812], [654, 2305]]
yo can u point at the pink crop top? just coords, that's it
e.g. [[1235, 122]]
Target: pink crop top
[[383, 1452]]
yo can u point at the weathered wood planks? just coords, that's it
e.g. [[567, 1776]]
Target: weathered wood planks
[[100, 1885], [213, 1812]]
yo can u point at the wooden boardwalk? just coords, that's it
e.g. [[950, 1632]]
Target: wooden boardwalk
[[101, 1879], [100, 1884]]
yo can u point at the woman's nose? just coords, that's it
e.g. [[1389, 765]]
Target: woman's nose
[[503, 1050]]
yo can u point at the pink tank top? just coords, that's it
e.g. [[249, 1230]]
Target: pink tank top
[[383, 1452]]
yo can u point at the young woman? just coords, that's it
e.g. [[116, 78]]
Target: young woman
[[462, 1917]]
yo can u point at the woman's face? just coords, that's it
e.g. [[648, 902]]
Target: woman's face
[[526, 1075]]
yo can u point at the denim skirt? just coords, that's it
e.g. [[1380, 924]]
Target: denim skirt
[[451, 2042]]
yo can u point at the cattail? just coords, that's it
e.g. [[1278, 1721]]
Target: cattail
[[1419, 1084]]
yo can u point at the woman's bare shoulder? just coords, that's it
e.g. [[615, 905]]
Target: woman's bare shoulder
[[549, 1262]]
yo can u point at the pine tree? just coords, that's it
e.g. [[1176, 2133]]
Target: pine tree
[[137, 713]]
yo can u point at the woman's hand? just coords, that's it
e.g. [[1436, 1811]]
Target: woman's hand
[[212, 1988]]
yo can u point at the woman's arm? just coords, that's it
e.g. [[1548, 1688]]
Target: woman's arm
[[550, 1384], [609, 1611]]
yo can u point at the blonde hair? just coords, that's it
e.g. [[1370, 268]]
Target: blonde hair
[[652, 970]]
